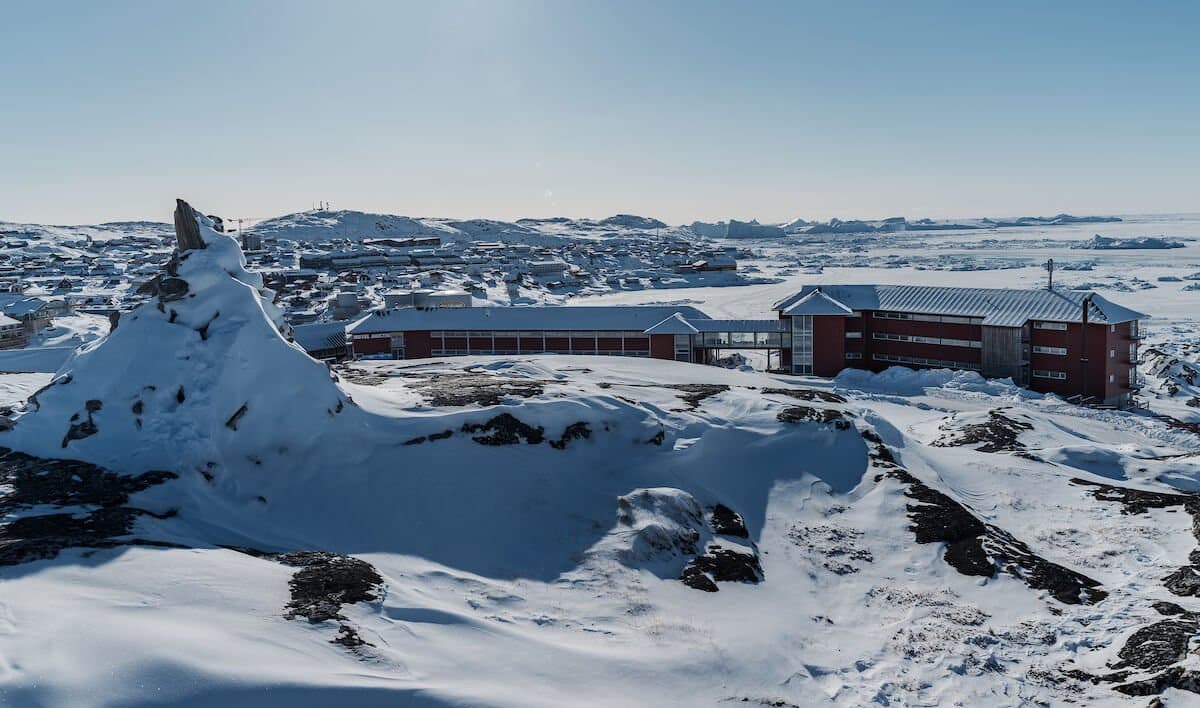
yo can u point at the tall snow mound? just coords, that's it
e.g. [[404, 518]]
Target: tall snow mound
[[201, 370]]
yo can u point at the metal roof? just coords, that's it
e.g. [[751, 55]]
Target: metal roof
[[323, 335], [614, 318], [678, 324], [1000, 307]]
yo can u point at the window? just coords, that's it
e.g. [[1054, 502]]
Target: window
[[853, 355], [1039, 349], [1045, 374], [920, 361], [1112, 328], [1112, 378], [1060, 326], [854, 335], [1112, 353], [802, 344]]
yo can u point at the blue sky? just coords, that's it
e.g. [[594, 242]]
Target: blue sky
[[679, 110]]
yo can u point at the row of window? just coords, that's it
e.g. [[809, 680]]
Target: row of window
[[507, 352], [1061, 326], [920, 361], [534, 334], [1047, 374], [1039, 349], [948, 319], [891, 337], [748, 339]]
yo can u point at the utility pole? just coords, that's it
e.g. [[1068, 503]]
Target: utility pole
[[1050, 270]]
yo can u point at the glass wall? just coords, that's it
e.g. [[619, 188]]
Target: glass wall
[[802, 344]]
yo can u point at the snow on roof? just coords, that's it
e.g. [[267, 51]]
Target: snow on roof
[[6, 321], [1001, 307], [675, 324], [817, 303], [20, 308], [624, 317]]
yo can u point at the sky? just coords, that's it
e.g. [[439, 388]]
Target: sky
[[531, 108]]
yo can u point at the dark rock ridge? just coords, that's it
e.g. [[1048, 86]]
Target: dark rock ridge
[[807, 394], [974, 547], [1160, 646], [97, 498], [803, 414], [1001, 433], [324, 583]]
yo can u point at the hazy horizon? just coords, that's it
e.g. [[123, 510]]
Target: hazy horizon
[[530, 109]]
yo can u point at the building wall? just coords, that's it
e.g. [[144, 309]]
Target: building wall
[[829, 345], [662, 346]]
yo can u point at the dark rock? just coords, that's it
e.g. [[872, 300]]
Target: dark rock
[[1000, 433], [723, 565], [807, 394], [504, 429], [1175, 677], [1159, 645], [699, 581], [473, 388], [326, 581], [35, 483], [171, 289], [179, 396], [574, 431], [801, 414], [657, 438], [1184, 582], [694, 394], [187, 231], [232, 423], [727, 522], [976, 548]]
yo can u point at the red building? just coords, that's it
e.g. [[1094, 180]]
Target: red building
[[1075, 344]]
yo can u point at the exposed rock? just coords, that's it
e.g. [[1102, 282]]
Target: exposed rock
[[976, 548], [801, 414], [574, 431], [326, 581], [1159, 645], [807, 394], [504, 429], [187, 230], [1000, 433], [96, 496], [694, 394], [727, 522], [722, 564], [232, 423]]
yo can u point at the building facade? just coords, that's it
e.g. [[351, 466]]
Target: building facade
[[1074, 344]]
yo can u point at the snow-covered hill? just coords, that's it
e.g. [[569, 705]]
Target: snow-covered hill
[[195, 512], [358, 226]]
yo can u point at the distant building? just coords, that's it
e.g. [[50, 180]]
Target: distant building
[[325, 341], [251, 242], [32, 312], [12, 334]]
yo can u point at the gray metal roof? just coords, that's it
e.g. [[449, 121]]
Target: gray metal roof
[[999, 307], [318, 336], [615, 318], [678, 324]]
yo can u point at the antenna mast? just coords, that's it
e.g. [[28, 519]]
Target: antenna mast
[[1050, 271]]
